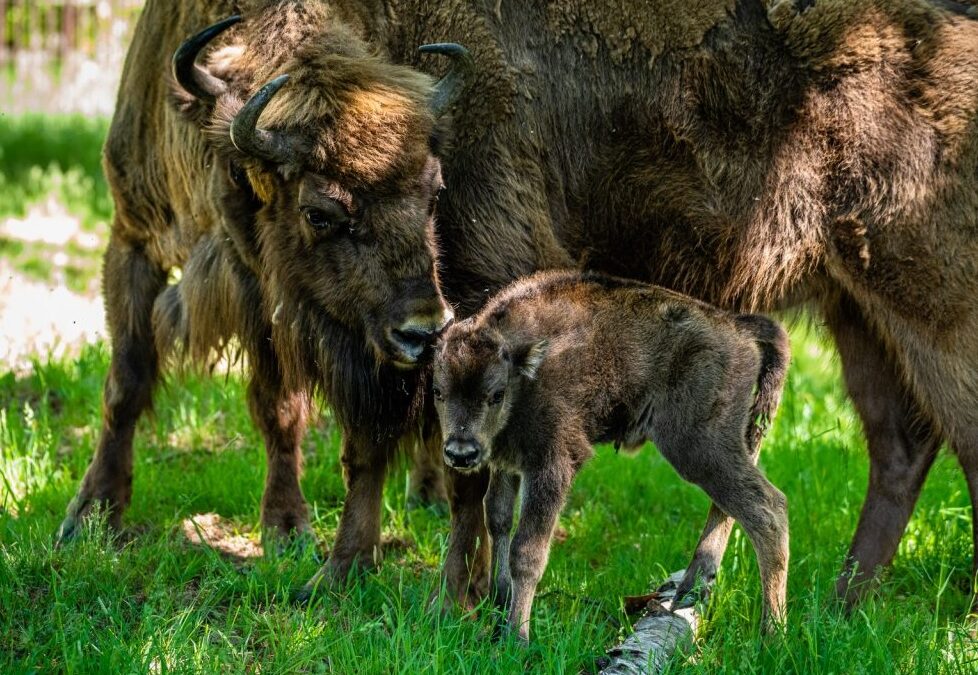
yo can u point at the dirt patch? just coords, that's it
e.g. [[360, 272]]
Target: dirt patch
[[221, 535]]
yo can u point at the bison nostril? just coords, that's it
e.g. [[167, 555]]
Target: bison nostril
[[414, 337], [410, 342]]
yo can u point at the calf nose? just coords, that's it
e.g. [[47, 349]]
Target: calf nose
[[461, 454]]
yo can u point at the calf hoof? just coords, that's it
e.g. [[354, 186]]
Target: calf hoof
[[774, 627], [519, 636], [695, 586]]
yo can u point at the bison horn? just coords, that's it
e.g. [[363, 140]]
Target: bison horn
[[251, 140], [449, 88], [197, 81]]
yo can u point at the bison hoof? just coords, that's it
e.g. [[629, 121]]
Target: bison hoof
[[80, 511], [289, 543], [333, 575]]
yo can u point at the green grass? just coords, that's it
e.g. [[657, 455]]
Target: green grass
[[44, 158], [156, 599], [155, 602], [59, 155]]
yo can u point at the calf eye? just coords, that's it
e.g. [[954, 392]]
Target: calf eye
[[437, 392], [497, 397]]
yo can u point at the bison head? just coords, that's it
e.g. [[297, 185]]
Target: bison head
[[338, 150]]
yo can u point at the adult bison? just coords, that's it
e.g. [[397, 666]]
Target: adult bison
[[309, 242], [758, 157]]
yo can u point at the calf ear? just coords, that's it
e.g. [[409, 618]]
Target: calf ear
[[529, 357]]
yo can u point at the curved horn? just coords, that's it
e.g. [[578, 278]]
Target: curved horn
[[197, 81], [449, 88], [251, 140]]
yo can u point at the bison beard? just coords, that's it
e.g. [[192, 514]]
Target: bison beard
[[753, 154]]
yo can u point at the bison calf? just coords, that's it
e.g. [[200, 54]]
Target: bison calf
[[559, 361]]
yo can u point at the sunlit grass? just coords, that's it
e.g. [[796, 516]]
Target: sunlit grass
[[52, 162], [159, 602]]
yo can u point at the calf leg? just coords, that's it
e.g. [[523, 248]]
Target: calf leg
[[902, 446], [543, 498], [282, 416], [725, 470], [500, 500], [466, 571], [702, 569], [131, 284], [711, 547]]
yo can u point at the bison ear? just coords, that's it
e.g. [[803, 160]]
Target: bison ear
[[528, 357]]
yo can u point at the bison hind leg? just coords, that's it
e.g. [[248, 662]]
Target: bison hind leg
[[701, 572], [131, 283]]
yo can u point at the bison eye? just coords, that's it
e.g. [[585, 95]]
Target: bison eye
[[496, 397], [437, 392], [318, 219], [326, 217]]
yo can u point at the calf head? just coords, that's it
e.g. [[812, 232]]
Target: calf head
[[478, 378], [338, 148]]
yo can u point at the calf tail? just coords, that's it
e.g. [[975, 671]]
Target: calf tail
[[772, 340]]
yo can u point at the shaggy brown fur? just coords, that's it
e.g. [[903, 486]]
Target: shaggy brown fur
[[559, 361], [824, 152]]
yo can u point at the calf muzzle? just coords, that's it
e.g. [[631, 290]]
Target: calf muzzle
[[462, 454]]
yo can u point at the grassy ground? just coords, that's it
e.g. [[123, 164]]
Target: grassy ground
[[157, 601]]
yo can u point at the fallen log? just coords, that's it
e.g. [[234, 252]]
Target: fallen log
[[658, 634]]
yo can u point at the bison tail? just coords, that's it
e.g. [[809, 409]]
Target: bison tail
[[775, 348]]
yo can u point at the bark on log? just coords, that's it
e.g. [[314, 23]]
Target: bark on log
[[657, 635]]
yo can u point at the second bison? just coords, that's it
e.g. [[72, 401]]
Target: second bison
[[563, 360]]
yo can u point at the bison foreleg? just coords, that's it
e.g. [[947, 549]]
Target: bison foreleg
[[357, 544], [543, 498], [902, 446], [282, 416], [500, 500], [131, 284], [967, 452]]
